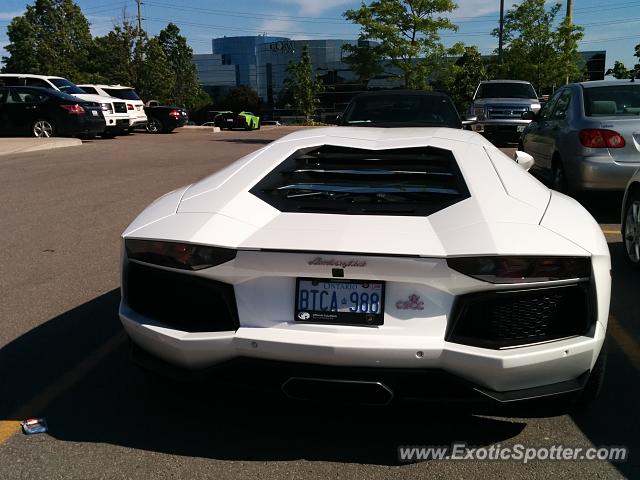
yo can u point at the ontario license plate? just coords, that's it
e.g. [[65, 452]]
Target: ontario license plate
[[94, 113], [339, 301]]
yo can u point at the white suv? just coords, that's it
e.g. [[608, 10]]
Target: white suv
[[114, 109], [135, 106]]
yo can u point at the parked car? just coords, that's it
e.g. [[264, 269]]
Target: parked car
[[498, 106], [164, 119], [630, 219], [373, 264], [41, 112], [113, 109], [244, 120], [400, 108], [587, 137], [135, 106]]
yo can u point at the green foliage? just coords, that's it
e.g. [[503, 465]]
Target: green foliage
[[186, 89], [537, 51], [364, 59], [155, 78], [619, 71], [52, 37], [242, 99], [463, 77], [408, 31], [117, 56], [637, 65], [305, 88]]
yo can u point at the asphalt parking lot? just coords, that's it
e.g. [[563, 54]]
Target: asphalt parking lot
[[63, 354]]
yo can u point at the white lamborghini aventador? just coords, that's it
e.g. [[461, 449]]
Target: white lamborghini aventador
[[375, 263]]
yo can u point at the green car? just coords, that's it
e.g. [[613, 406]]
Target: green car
[[245, 120]]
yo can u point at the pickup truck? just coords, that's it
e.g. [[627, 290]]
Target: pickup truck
[[163, 118], [498, 106]]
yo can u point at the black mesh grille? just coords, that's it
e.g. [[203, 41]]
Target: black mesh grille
[[181, 301], [330, 179], [120, 107], [511, 318]]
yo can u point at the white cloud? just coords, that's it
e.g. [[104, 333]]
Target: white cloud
[[315, 7], [476, 8], [277, 27], [10, 15]]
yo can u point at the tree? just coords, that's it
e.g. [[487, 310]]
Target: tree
[[242, 98], [464, 76], [52, 38], [637, 66], [535, 50], [304, 86], [408, 31], [186, 88], [155, 79], [364, 59], [117, 56], [619, 71]]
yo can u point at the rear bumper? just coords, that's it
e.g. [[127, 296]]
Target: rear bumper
[[138, 122], [80, 125], [600, 173], [520, 368], [296, 380]]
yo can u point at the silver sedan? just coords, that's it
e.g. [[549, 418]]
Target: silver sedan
[[587, 137]]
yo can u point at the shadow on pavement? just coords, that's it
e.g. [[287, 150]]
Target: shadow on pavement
[[614, 419], [247, 141], [119, 404]]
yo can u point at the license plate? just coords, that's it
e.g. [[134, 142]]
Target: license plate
[[521, 128], [94, 113], [229, 120], [339, 301]]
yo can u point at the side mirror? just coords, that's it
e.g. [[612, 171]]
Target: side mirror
[[529, 115], [523, 159]]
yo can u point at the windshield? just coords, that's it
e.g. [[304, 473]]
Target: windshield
[[612, 100], [122, 93], [401, 111], [506, 90], [66, 86]]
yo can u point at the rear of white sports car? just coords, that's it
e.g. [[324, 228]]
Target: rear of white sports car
[[380, 263]]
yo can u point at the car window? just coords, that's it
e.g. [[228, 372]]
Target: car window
[[399, 110], [66, 86], [545, 113], [122, 93], [506, 90], [25, 96], [562, 105], [4, 93], [11, 81], [90, 90], [37, 82], [612, 100]]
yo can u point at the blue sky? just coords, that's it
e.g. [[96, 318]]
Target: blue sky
[[613, 25]]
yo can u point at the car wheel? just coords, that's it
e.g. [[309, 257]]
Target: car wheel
[[43, 128], [154, 125], [631, 228], [596, 379], [558, 179]]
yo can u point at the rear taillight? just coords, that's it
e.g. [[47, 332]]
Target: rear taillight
[[526, 269], [185, 256], [174, 114], [601, 138], [73, 109], [129, 106]]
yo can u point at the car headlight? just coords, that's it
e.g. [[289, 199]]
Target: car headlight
[[478, 112], [106, 107], [512, 269], [185, 256], [535, 107]]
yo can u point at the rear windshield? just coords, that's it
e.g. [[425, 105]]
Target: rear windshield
[[122, 93], [612, 100], [66, 86], [506, 90], [401, 111]]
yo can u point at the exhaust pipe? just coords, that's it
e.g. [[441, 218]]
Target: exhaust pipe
[[338, 391]]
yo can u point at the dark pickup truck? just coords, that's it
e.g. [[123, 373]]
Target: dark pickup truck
[[164, 119]]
